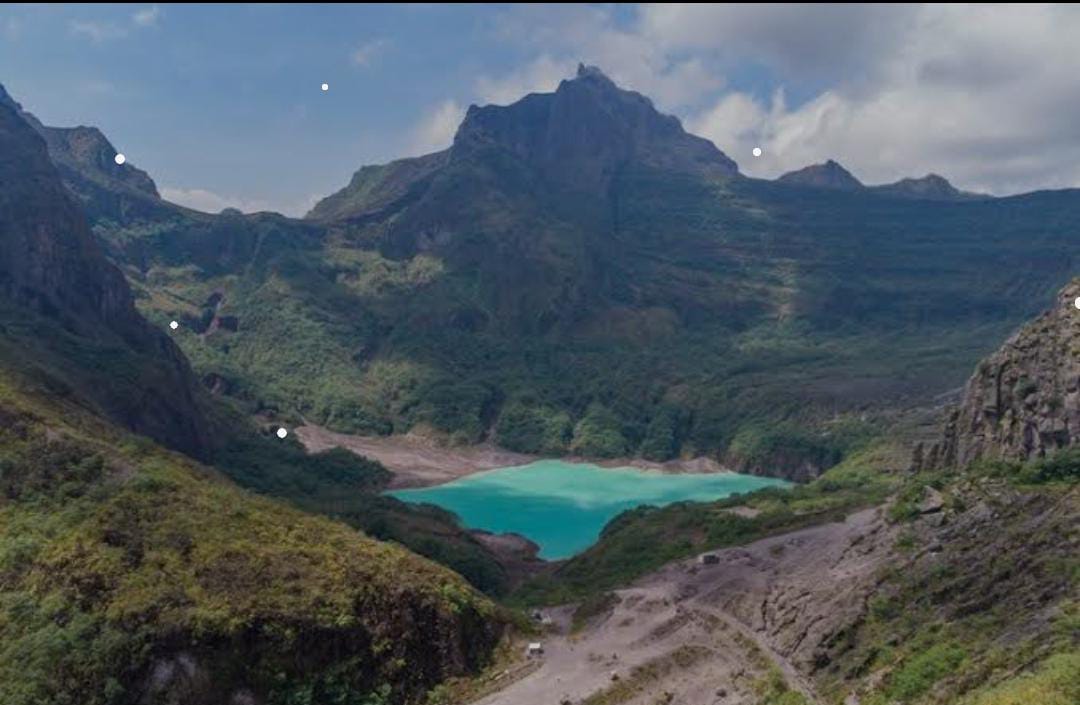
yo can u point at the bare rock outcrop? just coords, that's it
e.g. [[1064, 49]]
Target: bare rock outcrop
[[1023, 401]]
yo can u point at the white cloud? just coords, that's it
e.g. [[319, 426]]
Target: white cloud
[[97, 32], [436, 130], [983, 94], [568, 34], [807, 40], [210, 202], [11, 28], [542, 75], [147, 17], [100, 32], [367, 52]]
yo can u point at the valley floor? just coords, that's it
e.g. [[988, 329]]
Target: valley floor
[[726, 632], [419, 461]]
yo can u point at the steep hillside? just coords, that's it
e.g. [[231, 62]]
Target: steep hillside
[[130, 574], [51, 266], [577, 274]]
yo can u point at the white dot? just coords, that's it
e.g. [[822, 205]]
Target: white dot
[[326, 86], [174, 325], [757, 151], [119, 159], [281, 433], [1077, 302]]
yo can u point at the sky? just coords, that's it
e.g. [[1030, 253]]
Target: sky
[[222, 104]]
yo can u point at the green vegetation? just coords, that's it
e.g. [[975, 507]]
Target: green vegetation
[[684, 529], [935, 626], [920, 672], [761, 446], [1060, 469], [115, 556], [1055, 682], [342, 485], [599, 434], [533, 429], [772, 689], [695, 317]]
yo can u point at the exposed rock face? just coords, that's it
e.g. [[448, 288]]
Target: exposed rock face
[[51, 264], [1024, 400], [827, 175], [588, 129]]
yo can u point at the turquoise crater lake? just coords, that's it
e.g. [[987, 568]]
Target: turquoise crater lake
[[563, 506]]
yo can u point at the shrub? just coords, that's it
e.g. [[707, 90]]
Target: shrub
[[599, 434], [533, 429], [920, 672]]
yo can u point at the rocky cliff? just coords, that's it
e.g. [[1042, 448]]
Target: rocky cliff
[[1024, 400], [52, 267]]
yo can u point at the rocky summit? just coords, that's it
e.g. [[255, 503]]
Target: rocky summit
[[586, 132]]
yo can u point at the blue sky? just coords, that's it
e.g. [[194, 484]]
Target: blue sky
[[222, 104]]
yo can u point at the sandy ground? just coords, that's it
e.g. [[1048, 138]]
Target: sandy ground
[[773, 602], [418, 461]]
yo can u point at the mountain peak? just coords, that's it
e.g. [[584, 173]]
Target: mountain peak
[[594, 74], [585, 132], [7, 101], [830, 175], [932, 187], [584, 70]]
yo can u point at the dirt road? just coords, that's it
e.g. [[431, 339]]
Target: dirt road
[[767, 606]]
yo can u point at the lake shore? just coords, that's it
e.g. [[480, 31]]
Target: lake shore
[[419, 461]]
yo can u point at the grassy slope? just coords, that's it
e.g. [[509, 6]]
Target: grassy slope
[[337, 483], [985, 612], [115, 555]]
